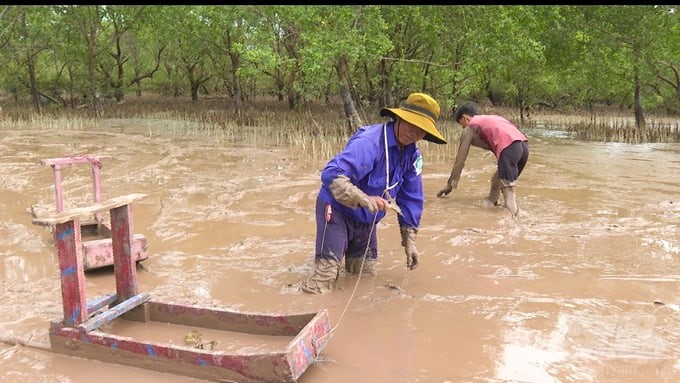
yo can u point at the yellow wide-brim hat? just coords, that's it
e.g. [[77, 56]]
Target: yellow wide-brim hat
[[420, 110]]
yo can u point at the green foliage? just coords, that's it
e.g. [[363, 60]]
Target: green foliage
[[562, 56]]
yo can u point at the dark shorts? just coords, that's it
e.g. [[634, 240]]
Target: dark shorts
[[342, 235], [512, 160]]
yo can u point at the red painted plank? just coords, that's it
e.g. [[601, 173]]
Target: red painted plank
[[124, 265], [69, 244], [309, 343], [99, 252], [107, 205], [226, 320]]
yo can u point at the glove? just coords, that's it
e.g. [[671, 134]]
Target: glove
[[445, 191], [408, 240], [348, 194]]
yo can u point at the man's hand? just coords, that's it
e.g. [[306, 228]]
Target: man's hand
[[408, 240], [445, 191]]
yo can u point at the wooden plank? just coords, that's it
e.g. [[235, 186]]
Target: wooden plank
[[122, 242], [226, 320], [69, 247], [68, 215], [114, 312], [85, 159], [99, 252], [309, 343], [99, 302]]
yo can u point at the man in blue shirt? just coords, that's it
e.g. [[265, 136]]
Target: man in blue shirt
[[379, 168]]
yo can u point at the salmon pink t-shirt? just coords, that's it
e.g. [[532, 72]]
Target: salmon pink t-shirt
[[496, 131]]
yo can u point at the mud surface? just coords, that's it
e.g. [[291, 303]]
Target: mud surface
[[564, 293]]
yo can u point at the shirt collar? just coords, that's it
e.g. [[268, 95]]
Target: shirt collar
[[392, 134]]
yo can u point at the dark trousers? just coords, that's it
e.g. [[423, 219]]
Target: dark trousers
[[338, 235], [512, 160]]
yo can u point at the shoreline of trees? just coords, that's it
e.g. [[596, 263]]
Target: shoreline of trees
[[559, 57]]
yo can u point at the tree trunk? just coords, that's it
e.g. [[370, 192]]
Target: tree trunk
[[385, 97], [353, 118], [35, 92], [640, 122], [30, 64], [294, 100], [194, 91], [94, 93], [236, 81]]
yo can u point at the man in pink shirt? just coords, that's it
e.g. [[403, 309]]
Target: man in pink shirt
[[500, 136]]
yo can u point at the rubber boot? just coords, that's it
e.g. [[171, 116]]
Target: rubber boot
[[510, 202], [324, 277], [353, 265]]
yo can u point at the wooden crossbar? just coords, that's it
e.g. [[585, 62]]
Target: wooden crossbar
[[100, 302], [114, 312], [57, 163], [94, 160], [69, 215]]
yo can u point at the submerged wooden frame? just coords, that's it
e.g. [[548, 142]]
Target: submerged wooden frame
[[79, 332]]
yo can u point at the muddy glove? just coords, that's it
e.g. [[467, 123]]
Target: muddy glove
[[408, 240], [348, 194]]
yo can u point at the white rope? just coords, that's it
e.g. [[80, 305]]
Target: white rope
[[356, 284]]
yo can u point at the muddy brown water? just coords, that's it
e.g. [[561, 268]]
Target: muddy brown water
[[564, 293]]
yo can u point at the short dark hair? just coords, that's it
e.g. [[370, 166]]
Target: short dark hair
[[468, 108]]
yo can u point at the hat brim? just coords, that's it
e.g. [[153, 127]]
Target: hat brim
[[424, 123]]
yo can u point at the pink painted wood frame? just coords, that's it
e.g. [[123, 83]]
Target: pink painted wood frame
[[58, 163]]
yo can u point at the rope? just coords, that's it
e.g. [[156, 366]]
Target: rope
[[356, 284], [361, 269]]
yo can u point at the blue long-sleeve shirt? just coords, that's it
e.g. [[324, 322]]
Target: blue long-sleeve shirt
[[363, 161]]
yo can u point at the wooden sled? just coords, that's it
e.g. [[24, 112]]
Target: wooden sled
[[80, 332], [97, 251]]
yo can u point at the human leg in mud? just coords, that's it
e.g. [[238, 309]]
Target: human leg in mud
[[511, 163], [336, 236], [495, 190], [362, 250]]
